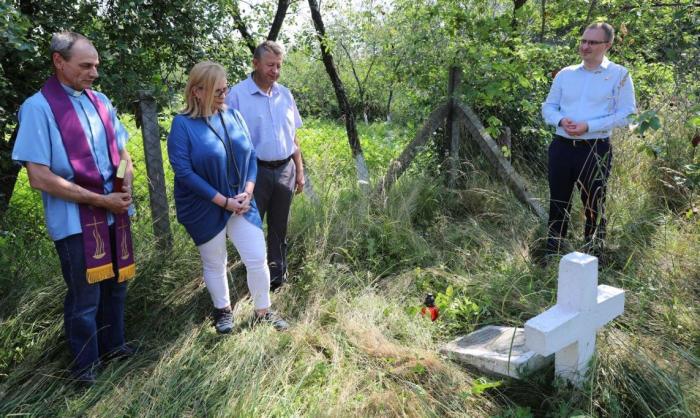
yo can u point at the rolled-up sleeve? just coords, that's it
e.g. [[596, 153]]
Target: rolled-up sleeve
[[252, 174]]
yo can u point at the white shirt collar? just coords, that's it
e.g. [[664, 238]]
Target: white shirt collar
[[602, 67], [72, 92], [254, 88]]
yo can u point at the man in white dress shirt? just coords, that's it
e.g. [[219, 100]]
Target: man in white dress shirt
[[585, 103], [271, 114]]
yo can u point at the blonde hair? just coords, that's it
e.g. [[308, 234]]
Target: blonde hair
[[203, 75]]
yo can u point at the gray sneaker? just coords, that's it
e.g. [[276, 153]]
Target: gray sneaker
[[223, 320], [272, 318]]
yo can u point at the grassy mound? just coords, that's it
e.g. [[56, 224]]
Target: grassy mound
[[360, 266]]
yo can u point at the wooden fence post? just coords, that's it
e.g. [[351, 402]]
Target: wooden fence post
[[504, 140], [154, 169], [452, 131]]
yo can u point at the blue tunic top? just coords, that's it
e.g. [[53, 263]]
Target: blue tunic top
[[203, 167]]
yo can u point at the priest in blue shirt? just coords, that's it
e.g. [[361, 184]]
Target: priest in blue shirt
[[71, 143], [585, 103]]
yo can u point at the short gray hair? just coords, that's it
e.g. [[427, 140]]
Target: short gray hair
[[62, 43], [606, 27], [268, 46]]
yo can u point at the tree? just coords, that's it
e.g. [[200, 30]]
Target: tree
[[327, 57], [280, 14], [361, 83], [23, 67], [517, 4], [275, 26], [241, 26], [543, 13]]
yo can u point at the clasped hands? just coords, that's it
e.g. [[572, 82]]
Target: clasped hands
[[573, 128], [238, 204]]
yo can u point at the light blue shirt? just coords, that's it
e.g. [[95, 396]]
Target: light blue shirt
[[604, 98], [272, 119], [39, 141]]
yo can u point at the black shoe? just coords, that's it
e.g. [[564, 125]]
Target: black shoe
[[599, 253], [272, 318], [86, 378], [124, 352], [594, 246], [547, 259], [223, 320], [277, 283]]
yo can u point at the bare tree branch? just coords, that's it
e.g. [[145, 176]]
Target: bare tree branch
[[340, 94], [544, 14], [590, 13], [354, 71], [282, 6], [240, 25]]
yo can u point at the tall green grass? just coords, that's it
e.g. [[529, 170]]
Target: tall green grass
[[359, 268]]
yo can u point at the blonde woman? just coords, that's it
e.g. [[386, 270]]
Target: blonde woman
[[215, 170]]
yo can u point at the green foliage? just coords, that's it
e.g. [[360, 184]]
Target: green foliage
[[646, 120], [518, 412], [142, 44], [359, 265], [482, 384], [457, 310], [694, 118], [359, 271]]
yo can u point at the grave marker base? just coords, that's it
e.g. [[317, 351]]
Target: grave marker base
[[496, 349]]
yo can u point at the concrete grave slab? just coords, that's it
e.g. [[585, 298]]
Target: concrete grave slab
[[496, 349]]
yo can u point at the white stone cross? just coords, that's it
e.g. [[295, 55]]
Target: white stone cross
[[569, 328]]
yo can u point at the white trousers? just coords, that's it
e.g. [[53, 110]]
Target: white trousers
[[250, 244]]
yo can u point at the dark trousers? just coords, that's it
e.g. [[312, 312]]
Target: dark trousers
[[585, 164], [274, 189], [93, 314]]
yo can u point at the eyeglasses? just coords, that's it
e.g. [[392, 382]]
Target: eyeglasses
[[221, 92], [592, 43], [218, 92]]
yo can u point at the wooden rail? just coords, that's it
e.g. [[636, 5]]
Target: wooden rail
[[454, 113]]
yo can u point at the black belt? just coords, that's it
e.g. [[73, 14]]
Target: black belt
[[275, 163], [579, 142]]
